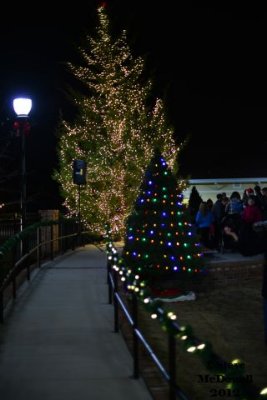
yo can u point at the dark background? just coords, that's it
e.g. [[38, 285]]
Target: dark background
[[208, 64]]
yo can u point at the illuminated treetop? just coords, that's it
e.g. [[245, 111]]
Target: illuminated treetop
[[159, 239], [116, 131]]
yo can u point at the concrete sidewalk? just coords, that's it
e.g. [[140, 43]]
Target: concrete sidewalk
[[215, 257], [58, 342]]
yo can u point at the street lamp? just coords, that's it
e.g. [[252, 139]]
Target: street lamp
[[22, 107]]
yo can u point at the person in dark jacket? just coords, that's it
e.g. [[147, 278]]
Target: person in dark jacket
[[218, 211], [264, 203]]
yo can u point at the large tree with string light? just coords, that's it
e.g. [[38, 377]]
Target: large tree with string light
[[116, 132], [159, 241]]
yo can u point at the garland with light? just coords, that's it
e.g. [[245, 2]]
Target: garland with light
[[232, 373]]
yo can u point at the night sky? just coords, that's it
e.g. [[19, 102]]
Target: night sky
[[208, 64]]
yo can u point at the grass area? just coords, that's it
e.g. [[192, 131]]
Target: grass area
[[231, 318]]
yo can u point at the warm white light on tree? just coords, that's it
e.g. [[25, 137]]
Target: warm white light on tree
[[116, 133]]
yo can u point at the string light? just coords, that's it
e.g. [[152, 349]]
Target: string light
[[186, 336], [147, 220], [191, 349], [115, 135]]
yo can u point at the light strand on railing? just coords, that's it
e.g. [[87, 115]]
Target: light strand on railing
[[184, 333]]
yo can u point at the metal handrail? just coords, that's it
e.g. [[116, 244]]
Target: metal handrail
[[250, 390], [15, 265], [174, 389]]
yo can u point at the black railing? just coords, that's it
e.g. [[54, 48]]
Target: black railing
[[233, 372], [8, 228], [10, 225], [26, 250], [138, 337]]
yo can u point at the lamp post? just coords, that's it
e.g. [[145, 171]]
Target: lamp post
[[22, 107]]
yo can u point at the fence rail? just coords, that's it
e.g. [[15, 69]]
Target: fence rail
[[138, 337], [230, 372], [26, 250]]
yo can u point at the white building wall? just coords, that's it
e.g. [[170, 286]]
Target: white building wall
[[209, 188]]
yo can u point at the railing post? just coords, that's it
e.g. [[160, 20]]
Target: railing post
[[109, 270], [135, 338], [60, 237], [26, 244], [28, 271], [63, 240], [28, 267], [57, 247], [1, 307], [74, 236], [115, 302], [51, 243], [38, 248], [14, 286], [172, 366]]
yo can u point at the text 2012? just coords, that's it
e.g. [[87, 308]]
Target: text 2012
[[224, 393]]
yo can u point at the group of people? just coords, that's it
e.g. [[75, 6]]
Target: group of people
[[239, 223], [229, 221]]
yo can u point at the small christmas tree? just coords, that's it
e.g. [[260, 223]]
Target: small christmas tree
[[159, 244]]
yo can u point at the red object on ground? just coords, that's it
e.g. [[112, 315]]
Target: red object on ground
[[171, 292]]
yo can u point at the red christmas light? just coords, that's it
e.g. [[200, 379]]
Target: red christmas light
[[103, 4]]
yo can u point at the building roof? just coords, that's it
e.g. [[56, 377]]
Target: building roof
[[226, 180]]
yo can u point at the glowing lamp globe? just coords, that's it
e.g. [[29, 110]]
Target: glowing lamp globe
[[22, 106]]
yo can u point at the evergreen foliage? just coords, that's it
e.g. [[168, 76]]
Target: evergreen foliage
[[159, 242], [116, 132]]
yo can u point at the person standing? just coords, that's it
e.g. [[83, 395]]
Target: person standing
[[264, 203], [251, 212], [204, 222], [218, 211]]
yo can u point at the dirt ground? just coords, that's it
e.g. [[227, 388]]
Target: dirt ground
[[231, 319]]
